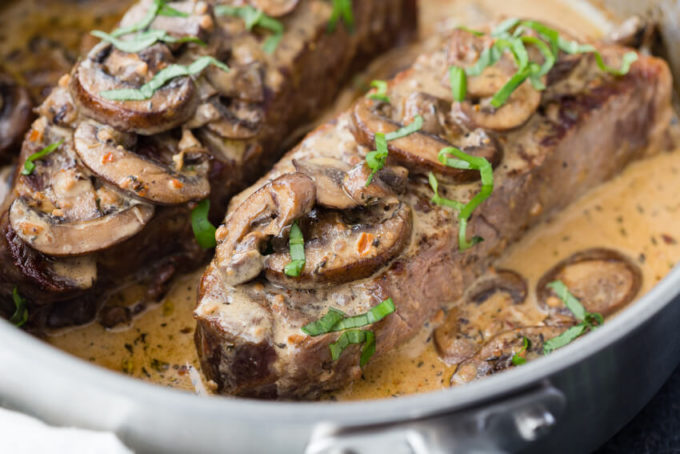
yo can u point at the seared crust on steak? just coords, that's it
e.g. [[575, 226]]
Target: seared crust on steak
[[587, 126], [136, 169]]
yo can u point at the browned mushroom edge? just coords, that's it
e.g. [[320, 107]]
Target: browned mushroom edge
[[106, 68], [112, 156], [604, 280]]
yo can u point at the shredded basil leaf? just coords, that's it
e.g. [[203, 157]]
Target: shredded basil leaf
[[374, 315], [346, 339], [204, 231], [20, 316], [381, 92], [254, 17], [144, 40], [325, 324], [164, 76], [572, 47], [563, 339], [518, 359], [158, 8], [342, 10], [407, 130], [297, 252], [368, 349], [470, 30], [588, 320], [29, 164], [377, 158], [458, 81], [464, 161]]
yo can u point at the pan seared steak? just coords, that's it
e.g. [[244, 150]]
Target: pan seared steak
[[393, 238], [151, 122]]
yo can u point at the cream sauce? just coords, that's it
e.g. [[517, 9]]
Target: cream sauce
[[635, 213]]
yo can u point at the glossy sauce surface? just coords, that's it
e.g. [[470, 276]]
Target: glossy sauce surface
[[637, 214]]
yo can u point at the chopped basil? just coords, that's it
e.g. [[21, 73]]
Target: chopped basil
[[336, 320], [143, 40], [376, 159], [464, 161], [458, 81], [510, 36], [588, 320], [20, 316], [204, 231], [469, 30], [164, 76], [381, 92], [342, 10], [254, 17], [518, 358], [29, 164], [158, 8], [297, 252]]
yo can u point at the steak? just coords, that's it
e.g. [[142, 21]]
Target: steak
[[365, 243], [114, 200]]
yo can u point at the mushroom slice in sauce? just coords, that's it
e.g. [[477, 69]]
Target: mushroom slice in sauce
[[49, 235], [476, 111], [329, 175], [15, 113], [107, 68], [263, 215], [603, 280], [419, 151], [496, 355], [275, 8], [234, 119], [109, 154], [346, 246], [490, 306]]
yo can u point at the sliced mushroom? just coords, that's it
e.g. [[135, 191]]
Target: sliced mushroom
[[263, 215], [81, 272], [489, 307], [603, 280], [464, 50], [328, 175], [496, 355], [109, 154], [15, 114], [275, 8], [433, 110], [196, 21], [233, 119], [107, 68], [48, 235], [245, 82], [419, 151], [347, 246]]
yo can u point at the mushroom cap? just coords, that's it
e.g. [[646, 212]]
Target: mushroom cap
[[275, 8]]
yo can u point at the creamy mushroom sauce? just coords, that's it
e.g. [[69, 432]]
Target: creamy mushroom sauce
[[636, 214]]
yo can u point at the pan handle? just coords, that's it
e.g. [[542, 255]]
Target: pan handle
[[507, 425]]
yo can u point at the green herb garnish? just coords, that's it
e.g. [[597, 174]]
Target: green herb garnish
[[376, 159], [20, 316], [29, 164], [381, 92], [336, 320], [164, 76], [204, 231], [458, 81], [510, 36], [464, 161], [588, 320], [342, 10], [518, 358], [143, 40], [254, 17], [297, 252], [158, 8]]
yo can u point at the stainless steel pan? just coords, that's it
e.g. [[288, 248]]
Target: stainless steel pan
[[571, 401]]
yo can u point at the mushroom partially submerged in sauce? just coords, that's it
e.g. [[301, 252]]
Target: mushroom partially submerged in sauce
[[162, 171], [603, 280], [15, 114], [263, 215], [489, 307], [496, 355], [419, 151], [107, 68]]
